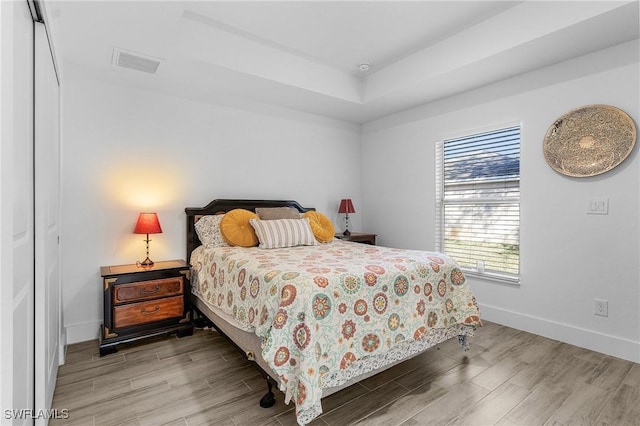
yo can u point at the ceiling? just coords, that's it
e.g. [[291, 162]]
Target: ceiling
[[306, 56]]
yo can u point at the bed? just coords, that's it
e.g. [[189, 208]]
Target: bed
[[318, 318]]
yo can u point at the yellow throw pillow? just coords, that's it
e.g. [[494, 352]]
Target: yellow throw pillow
[[236, 229], [321, 226]]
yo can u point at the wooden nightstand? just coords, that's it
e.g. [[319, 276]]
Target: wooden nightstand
[[141, 302], [359, 237]]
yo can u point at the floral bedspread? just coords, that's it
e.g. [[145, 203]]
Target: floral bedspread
[[321, 310]]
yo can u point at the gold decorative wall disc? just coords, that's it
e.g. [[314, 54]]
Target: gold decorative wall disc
[[590, 140]]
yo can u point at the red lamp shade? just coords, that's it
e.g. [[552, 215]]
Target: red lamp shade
[[346, 206], [148, 224]]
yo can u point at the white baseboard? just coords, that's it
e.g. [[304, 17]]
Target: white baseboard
[[62, 347], [77, 333], [588, 339]]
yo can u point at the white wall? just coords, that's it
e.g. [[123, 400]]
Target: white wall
[[126, 151], [568, 258]]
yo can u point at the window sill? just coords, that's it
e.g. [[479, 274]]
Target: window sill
[[492, 276]]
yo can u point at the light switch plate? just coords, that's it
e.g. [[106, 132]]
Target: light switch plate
[[598, 206]]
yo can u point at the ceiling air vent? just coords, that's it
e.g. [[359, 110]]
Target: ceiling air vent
[[135, 61]]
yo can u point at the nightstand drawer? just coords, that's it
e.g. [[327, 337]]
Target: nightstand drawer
[[144, 312], [145, 290]]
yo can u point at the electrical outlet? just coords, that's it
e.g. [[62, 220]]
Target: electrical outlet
[[601, 307]]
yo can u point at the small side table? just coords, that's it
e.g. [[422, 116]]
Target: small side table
[[359, 237], [141, 302]]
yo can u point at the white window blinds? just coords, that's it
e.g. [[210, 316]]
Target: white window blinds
[[478, 202]]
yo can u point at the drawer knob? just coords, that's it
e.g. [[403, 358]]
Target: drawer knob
[[143, 311]]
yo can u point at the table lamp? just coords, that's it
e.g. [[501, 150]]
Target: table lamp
[[346, 207], [147, 224]]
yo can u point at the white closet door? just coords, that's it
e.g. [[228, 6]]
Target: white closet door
[[16, 213], [47, 220]]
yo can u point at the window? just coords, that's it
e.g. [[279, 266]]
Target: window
[[478, 202]]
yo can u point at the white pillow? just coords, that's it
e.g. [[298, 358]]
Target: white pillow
[[208, 230], [280, 233]]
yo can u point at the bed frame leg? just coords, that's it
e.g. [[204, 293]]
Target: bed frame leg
[[200, 320], [269, 399]]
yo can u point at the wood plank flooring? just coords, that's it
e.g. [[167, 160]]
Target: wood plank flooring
[[508, 378]]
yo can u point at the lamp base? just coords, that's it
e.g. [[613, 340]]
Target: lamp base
[[146, 263], [346, 232]]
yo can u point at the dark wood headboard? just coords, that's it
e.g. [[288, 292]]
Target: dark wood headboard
[[224, 205]]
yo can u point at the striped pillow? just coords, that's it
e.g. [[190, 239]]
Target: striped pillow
[[280, 233]]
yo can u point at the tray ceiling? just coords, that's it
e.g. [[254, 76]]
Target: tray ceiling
[[305, 55]]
